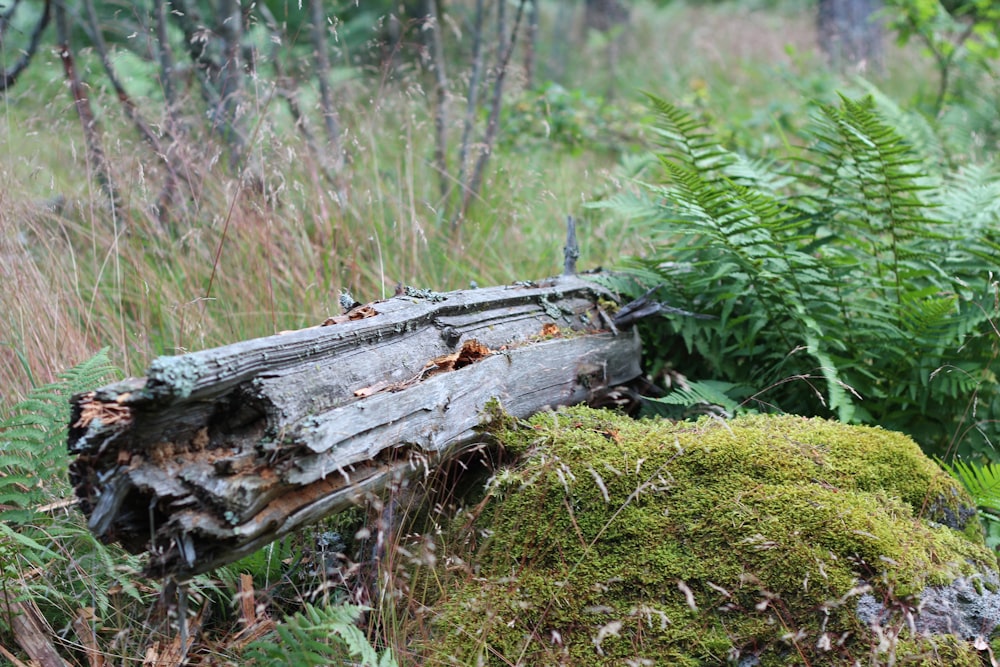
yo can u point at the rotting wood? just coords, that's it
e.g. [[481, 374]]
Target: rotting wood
[[216, 453]]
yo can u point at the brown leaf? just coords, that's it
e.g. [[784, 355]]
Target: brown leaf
[[357, 313], [471, 352]]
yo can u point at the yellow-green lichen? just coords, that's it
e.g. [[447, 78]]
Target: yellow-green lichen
[[623, 542]]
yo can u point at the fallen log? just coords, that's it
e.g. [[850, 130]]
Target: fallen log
[[216, 453]]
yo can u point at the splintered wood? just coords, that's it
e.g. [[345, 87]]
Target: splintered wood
[[216, 453]]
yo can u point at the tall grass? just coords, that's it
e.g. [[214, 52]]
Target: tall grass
[[234, 262]]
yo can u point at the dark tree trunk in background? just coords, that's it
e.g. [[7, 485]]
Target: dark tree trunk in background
[[603, 15], [850, 33], [530, 41]]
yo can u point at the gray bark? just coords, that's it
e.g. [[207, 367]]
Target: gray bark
[[214, 454], [331, 122], [850, 33]]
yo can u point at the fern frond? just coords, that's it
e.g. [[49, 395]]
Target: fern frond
[[913, 126], [971, 195], [981, 481], [320, 636], [33, 437], [855, 260], [686, 139], [704, 392]]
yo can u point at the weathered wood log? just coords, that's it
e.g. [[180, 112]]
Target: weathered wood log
[[216, 453]]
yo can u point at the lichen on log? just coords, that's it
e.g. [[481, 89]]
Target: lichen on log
[[216, 453]]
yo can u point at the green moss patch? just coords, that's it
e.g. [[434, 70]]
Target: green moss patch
[[750, 542]]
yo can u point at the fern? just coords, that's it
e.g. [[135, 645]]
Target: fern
[[33, 440], [983, 484], [320, 636], [694, 395], [981, 481], [842, 279], [48, 556]]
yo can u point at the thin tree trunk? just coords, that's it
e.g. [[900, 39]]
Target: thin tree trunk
[[493, 124], [472, 100], [322, 59], [168, 195], [530, 44], [434, 16], [96, 159], [231, 93], [166, 58]]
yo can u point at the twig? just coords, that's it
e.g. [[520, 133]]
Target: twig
[[644, 306], [493, 124], [571, 251], [95, 153], [10, 76]]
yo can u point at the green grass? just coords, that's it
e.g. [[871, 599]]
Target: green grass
[[284, 254]]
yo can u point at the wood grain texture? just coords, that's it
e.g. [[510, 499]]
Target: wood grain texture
[[216, 453]]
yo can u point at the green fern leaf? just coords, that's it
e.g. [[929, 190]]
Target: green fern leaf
[[981, 481], [33, 436], [320, 636], [704, 392]]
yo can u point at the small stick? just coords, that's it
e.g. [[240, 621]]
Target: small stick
[[571, 251]]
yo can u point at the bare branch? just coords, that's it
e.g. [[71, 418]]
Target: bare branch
[[9, 76], [322, 58], [91, 131], [493, 124]]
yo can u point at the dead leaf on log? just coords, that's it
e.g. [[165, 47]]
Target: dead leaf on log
[[359, 313], [471, 352], [365, 392], [550, 330]]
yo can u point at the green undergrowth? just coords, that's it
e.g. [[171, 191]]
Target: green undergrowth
[[853, 278], [650, 542]]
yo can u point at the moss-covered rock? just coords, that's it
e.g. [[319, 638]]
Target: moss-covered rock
[[758, 541]]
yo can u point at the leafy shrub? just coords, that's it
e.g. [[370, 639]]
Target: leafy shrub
[[573, 119], [857, 279]]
